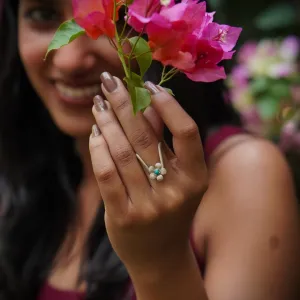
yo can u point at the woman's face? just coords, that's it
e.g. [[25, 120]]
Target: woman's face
[[67, 81]]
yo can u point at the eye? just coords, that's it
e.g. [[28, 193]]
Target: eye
[[42, 15]]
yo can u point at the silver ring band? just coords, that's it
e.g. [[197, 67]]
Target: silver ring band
[[158, 171]]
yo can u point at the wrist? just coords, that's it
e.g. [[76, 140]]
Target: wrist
[[165, 266], [173, 279]]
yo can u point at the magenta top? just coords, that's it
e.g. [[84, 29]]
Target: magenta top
[[48, 292]]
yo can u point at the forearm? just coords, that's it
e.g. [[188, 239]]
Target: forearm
[[180, 280]]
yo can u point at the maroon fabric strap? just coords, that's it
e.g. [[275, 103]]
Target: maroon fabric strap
[[216, 138], [50, 293]]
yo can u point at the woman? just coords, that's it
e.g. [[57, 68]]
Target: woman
[[241, 242]]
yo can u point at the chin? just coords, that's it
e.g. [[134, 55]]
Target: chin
[[75, 121], [75, 132], [76, 127]]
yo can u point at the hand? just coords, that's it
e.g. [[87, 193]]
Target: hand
[[148, 222]]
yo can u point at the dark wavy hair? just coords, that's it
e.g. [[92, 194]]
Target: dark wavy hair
[[40, 172]]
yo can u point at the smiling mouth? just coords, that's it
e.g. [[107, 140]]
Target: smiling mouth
[[78, 93]]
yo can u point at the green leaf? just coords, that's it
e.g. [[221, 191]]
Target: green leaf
[[140, 97], [143, 99], [136, 80], [268, 107], [169, 91], [65, 34], [259, 85], [280, 89], [279, 15], [142, 52]]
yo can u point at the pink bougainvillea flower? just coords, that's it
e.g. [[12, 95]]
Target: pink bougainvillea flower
[[95, 16], [168, 31], [166, 38], [185, 37], [206, 69], [141, 11], [225, 35]]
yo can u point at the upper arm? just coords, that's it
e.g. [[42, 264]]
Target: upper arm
[[251, 224]]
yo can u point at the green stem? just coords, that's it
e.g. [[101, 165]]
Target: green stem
[[136, 56], [119, 44], [125, 24], [167, 76], [137, 40], [163, 74], [127, 36]]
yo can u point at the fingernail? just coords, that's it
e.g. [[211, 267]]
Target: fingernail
[[108, 82], [100, 104], [95, 131], [152, 88]]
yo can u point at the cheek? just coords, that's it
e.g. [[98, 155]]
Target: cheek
[[32, 47]]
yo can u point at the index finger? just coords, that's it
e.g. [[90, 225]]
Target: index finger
[[186, 137]]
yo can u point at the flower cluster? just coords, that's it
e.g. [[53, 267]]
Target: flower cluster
[[264, 88], [182, 36]]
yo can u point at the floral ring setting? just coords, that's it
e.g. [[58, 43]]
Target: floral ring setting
[[158, 171]]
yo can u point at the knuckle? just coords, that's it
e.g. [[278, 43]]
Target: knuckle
[[124, 156], [198, 188], [189, 131], [142, 139], [96, 144], [105, 174], [121, 102]]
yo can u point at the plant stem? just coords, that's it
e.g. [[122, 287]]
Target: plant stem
[[119, 44], [137, 40], [111, 41], [167, 76], [127, 35], [136, 56], [126, 21], [163, 73]]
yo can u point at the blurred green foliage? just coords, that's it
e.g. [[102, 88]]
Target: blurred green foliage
[[260, 18], [263, 19]]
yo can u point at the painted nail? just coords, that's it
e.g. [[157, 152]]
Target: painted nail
[[95, 131], [100, 104], [108, 82], [152, 88]]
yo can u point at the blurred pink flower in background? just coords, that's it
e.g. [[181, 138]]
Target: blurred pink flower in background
[[263, 88]]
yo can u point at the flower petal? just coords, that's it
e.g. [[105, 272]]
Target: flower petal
[[208, 74], [226, 35]]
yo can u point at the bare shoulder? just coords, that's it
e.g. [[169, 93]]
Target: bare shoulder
[[248, 221], [243, 150], [249, 171]]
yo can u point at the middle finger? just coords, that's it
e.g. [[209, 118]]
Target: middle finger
[[137, 129]]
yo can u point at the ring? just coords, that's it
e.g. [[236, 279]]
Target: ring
[[158, 171]]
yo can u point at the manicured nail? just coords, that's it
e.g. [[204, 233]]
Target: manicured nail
[[152, 88], [108, 82], [100, 104], [95, 131]]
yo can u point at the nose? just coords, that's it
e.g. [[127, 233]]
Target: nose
[[75, 59]]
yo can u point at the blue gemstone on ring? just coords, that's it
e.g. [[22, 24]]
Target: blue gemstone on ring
[[156, 172]]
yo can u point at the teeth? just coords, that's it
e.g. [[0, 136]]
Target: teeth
[[72, 92]]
